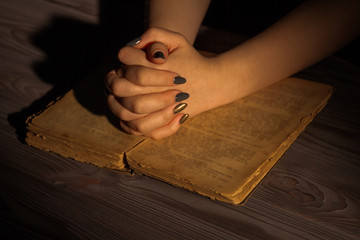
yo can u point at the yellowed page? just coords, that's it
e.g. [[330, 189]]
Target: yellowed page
[[224, 153], [71, 130]]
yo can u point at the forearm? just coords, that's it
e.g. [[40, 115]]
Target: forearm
[[308, 34], [183, 16]]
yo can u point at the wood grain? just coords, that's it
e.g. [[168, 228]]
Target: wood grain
[[313, 193]]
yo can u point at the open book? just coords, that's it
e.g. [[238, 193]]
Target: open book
[[223, 153]]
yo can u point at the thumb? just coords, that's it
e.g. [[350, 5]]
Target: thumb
[[157, 53], [171, 40]]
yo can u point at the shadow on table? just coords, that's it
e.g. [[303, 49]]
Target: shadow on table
[[78, 51]]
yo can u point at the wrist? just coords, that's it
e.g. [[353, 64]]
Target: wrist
[[235, 75]]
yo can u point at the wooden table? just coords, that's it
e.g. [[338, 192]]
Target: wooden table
[[45, 46]]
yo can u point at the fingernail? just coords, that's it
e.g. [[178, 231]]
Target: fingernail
[[134, 42], [159, 54], [181, 97], [180, 107], [179, 80], [183, 118]]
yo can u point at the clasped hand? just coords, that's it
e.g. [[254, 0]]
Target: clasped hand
[[149, 93]]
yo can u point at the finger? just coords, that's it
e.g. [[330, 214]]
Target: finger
[[157, 53], [154, 120], [148, 103], [109, 79], [171, 40], [146, 77], [120, 86], [119, 111], [127, 129], [138, 80], [169, 129], [133, 56]]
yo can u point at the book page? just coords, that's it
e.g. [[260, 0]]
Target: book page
[[71, 130], [225, 152]]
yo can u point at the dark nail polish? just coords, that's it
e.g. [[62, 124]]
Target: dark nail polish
[[180, 107], [134, 42], [179, 80], [181, 97], [159, 54], [184, 118]]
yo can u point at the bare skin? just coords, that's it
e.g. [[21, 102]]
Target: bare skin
[[143, 92]]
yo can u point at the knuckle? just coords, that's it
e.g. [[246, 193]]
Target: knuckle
[[111, 104], [109, 79], [123, 88], [180, 36], [155, 136], [118, 88], [140, 127], [152, 30], [138, 107], [110, 75], [131, 131], [124, 127], [173, 129], [122, 54], [123, 114], [141, 79], [139, 76]]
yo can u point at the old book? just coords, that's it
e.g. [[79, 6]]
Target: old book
[[223, 153]]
